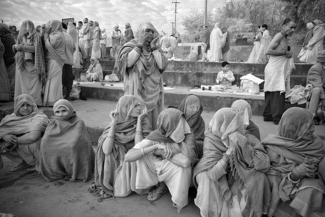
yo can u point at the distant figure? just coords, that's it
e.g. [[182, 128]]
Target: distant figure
[[205, 40], [14, 32], [128, 34], [81, 39], [95, 71], [226, 48], [116, 41], [39, 30], [262, 58], [91, 32], [168, 45], [86, 37], [315, 44], [304, 52], [142, 63], [72, 31], [96, 52], [257, 44], [277, 72], [217, 41], [103, 41], [225, 77]]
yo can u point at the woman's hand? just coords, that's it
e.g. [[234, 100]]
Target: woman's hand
[[11, 139], [153, 43], [143, 115], [16, 47], [231, 149], [113, 116], [142, 40]]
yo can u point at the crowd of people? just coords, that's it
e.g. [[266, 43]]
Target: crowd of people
[[147, 149]]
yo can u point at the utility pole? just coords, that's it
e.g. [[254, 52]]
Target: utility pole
[[172, 26], [175, 2], [206, 13]]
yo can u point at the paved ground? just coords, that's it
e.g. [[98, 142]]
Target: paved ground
[[28, 195]]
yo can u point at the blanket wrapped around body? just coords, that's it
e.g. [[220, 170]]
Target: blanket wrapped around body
[[66, 150]]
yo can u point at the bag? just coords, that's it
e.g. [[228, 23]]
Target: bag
[[75, 92], [249, 86]]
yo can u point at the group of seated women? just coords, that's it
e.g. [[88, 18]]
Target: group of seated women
[[236, 175], [58, 148]]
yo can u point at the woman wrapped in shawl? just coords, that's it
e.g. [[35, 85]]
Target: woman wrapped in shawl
[[72, 31], [66, 150], [56, 45], [141, 63], [20, 133], [245, 112], [230, 177], [96, 36], [95, 71], [165, 158], [103, 42], [297, 168], [30, 63], [192, 110], [113, 176]]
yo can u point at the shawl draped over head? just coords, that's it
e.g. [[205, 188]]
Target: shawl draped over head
[[295, 140], [226, 127], [66, 150], [245, 111], [96, 68], [8, 41], [56, 43], [194, 120], [28, 27], [106, 165], [72, 31], [17, 125], [170, 121]]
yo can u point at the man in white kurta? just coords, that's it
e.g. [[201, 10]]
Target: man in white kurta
[[217, 41]]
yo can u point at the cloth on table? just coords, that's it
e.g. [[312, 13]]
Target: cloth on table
[[66, 150], [299, 94]]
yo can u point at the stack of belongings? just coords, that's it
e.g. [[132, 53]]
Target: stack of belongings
[[299, 94], [250, 84]]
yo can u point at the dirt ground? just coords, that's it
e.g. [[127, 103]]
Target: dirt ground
[[27, 194]]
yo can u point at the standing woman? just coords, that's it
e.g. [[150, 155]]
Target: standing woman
[[30, 62], [72, 31], [103, 41], [96, 52], [4, 81], [55, 43], [257, 43]]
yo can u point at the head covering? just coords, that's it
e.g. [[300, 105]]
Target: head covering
[[66, 104], [244, 110], [127, 25], [317, 22], [72, 31], [124, 107], [21, 99], [103, 30], [54, 26], [193, 118], [116, 25], [321, 56], [310, 25], [27, 27], [216, 25], [8, 41], [142, 27]]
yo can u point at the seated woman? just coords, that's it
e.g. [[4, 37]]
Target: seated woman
[[192, 110], [129, 126], [230, 177], [66, 150], [166, 157], [297, 167], [20, 133], [245, 111], [95, 71]]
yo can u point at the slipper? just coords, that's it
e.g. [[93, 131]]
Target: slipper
[[31, 169], [104, 196], [92, 188], [19, 167], [154, 195]]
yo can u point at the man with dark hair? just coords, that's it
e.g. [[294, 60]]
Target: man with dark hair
[[225, 77], [264, 26], [277, 72]]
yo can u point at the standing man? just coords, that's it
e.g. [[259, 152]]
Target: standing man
[[91, 33], [205, 39], [86, 38], [81, 39], [67, 75], [226, 48], [277, 72], [116, 41]]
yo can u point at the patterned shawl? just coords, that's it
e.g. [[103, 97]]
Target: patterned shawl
[[194, 119], [28, 27]]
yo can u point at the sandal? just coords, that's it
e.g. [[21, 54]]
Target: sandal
[[104, 196], [154, 195], [92, 188], [19, 167]]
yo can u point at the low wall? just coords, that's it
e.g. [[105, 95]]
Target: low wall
[[190, 74]]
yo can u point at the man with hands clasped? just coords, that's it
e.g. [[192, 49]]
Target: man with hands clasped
[[141, 62]]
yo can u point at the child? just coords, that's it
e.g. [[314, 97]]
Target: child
[[225, 77]]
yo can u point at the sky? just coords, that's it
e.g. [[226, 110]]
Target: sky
[[106, 12]]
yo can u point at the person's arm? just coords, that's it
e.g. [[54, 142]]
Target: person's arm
[[261, 161], [160, 59], [109, 141], [29, 137], [133, 56], [219, 77], [219, 169], [27, 48], [319, 31], [135, 154], [271, 50], [138, 132], [230, 76], [180, 160]]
